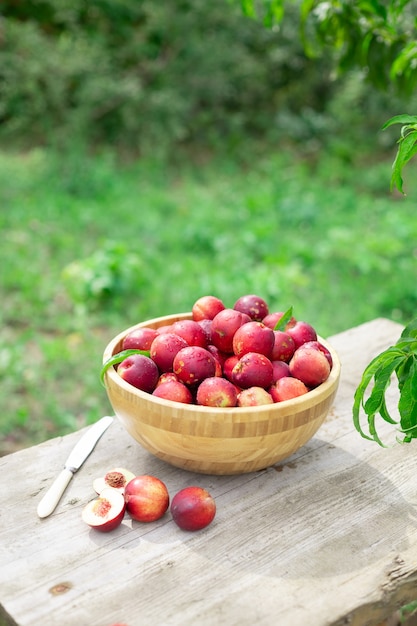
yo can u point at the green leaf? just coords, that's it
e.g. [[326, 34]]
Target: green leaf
[[412, 378], [367, 376], [404, 63], [385, 414], [274, 12], [407, 404], [402, 372], [248, 8], [411, 329], [407, 344], [283, 321], [400, 119], [396, 7], [400, 358], [407, 148], [373, 7], [372, 430], [407, 609], [118, 358], [382, 380], [306, 9], [380, 369]]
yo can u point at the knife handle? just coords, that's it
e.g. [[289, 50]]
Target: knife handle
[[54, 493]]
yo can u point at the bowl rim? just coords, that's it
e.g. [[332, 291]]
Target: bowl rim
[[295, 404]]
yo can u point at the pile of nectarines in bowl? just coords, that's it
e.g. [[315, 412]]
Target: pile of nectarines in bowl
[[242, 395]]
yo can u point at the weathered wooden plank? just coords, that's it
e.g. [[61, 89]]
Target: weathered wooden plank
[[326, 538]]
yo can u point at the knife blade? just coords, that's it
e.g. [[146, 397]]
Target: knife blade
[[79, 454]]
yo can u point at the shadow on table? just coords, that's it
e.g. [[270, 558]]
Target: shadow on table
[[317, 520]]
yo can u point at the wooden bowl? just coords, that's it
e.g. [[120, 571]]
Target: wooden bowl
[[217, 440]]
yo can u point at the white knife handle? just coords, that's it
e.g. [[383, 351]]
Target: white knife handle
[[54, 493]]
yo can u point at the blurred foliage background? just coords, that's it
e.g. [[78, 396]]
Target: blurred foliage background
[[151, 153], [148, 77]]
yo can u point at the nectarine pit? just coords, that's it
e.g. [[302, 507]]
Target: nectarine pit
[[115, 479]]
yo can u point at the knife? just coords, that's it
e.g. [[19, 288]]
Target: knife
[[79, 454]]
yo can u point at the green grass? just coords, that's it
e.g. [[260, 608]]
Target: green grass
[[90, 247]]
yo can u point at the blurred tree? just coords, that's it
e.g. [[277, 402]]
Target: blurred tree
[[379, 36], [148, 77], [141, 75]]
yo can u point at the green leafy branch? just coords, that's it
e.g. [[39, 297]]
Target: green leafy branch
[[407, 611], [400, 361], [407, 146], [272, 11]]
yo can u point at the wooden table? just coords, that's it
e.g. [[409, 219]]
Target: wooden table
[[328, 537]]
